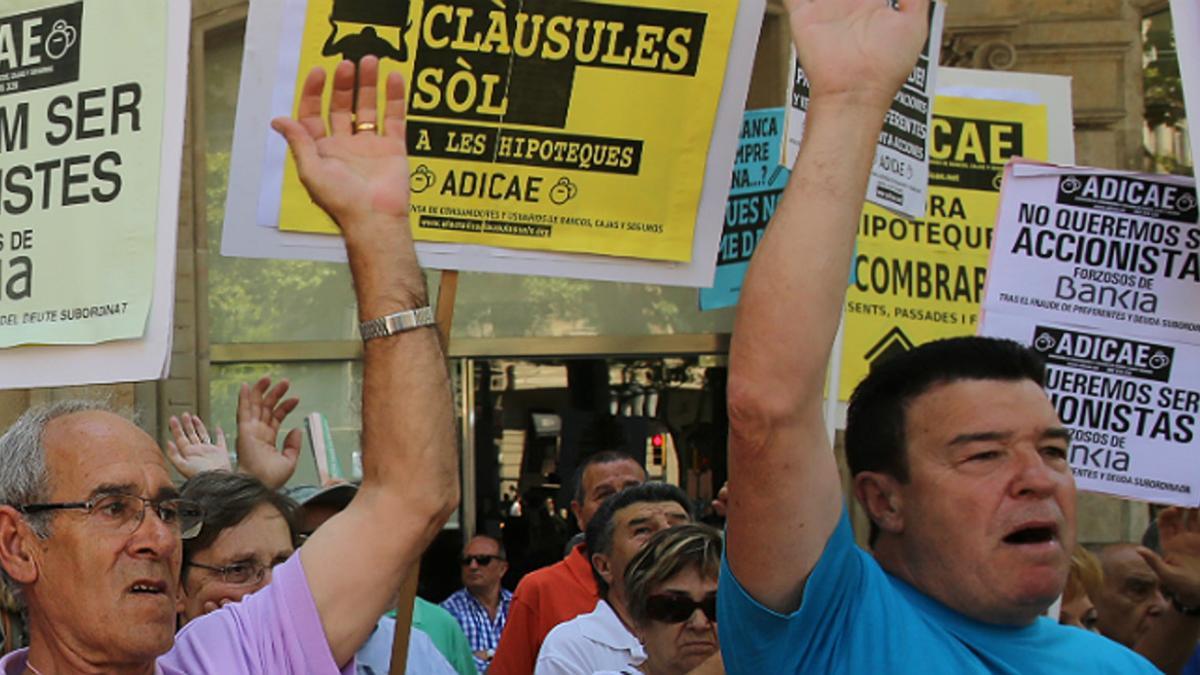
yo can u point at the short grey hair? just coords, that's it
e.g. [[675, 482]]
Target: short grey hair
[[23, 475], [602, 528]]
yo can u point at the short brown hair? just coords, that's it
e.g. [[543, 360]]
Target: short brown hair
[[227, 499]]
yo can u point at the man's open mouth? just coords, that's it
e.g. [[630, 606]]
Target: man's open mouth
[[148, 588], [1032, 534]]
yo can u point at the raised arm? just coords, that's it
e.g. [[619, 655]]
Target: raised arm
[[784, 494], [356, 562]]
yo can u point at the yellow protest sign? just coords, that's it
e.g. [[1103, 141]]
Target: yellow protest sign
[[555, 125], [920, 280]]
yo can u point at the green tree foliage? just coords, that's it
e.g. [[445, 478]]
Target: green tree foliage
[[1163, 86], [252, 300]]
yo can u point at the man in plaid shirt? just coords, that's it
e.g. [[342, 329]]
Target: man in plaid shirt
[[481, 606]]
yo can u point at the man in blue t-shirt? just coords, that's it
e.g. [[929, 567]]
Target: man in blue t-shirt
[[957, 455]]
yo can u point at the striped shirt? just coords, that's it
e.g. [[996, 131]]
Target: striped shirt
[[483, 632]]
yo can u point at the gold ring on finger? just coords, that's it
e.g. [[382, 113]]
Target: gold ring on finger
[[364, 126]]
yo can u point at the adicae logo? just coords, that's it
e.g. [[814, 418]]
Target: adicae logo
[[563, 191], [1159, 360], [1045, 342], [422, 179], [61, 38], [1070, 185]]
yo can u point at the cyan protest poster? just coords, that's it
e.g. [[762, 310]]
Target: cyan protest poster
[[758, 182]]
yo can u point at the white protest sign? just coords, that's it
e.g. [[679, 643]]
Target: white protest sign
[[1117, 251], [900, 174], [1131, 405], [121, 102]]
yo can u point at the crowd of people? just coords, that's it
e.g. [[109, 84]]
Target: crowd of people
[[954, 453]]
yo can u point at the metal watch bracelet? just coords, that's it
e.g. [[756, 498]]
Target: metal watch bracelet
[[397, 323]]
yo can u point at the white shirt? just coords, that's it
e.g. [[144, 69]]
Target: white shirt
[[375, 656], [589, 643]]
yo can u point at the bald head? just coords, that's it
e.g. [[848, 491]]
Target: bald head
[[95, 430], [97, 441], [1130, 600]]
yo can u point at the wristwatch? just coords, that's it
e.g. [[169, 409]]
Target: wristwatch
[[397, 323]]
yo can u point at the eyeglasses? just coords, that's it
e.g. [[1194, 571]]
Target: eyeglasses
[[481, 560], [243, 573], [125, 513], [679, 608]]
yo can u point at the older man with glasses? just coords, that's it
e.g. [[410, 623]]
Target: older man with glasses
[[481, 605], [100, 577]]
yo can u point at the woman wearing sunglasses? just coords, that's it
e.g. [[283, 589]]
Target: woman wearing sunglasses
[[671, 587]]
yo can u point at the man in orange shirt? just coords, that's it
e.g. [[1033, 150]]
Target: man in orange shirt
[[564, 590]]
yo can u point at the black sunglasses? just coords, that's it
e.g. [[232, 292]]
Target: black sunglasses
[[679, 608], [481, 560]]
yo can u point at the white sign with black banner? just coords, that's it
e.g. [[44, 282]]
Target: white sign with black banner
[[1116, 251], [900, 174], [1131, 406], [92, 103]]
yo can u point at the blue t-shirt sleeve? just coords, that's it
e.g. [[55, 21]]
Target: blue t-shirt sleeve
[[757, 640], [1193, 665]]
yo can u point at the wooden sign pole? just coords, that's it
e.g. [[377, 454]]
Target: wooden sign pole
[[447, 291]]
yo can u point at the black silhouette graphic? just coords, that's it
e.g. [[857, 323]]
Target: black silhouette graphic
[[378, 16]]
